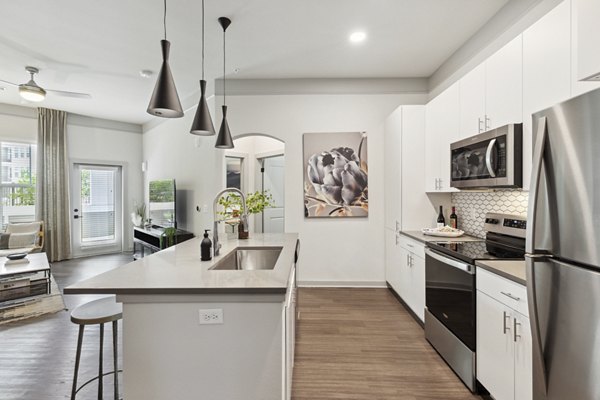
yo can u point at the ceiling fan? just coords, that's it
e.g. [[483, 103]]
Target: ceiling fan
[[33, 92]]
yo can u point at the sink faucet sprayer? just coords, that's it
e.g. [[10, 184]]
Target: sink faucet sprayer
[[243, 217]]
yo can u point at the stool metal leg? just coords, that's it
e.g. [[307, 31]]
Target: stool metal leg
[[116, 357], [77, 358], [100, 380]]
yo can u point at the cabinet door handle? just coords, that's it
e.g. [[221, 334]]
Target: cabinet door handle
[[479, 123], [505, 327], [509, 295], [397, 226], [408, 260], [487, 124], [397, 238], [515, 324], [440, 186]]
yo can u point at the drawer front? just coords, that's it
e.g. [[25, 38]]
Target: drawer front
[[505, 291], [413, 246]]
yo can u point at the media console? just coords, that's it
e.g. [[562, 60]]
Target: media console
[[153, 239]]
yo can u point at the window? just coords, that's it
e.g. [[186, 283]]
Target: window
[[17, 189], [234, 172]]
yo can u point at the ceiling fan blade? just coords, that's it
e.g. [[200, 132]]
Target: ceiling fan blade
[[8, 83], [70, 94]]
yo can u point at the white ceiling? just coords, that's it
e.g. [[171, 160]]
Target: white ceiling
[[99, 47]]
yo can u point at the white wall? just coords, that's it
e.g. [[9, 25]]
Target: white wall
[[172, 152], [342, 251], [92, 140]]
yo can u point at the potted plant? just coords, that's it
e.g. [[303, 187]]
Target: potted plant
[[255, 204], [168, 235]]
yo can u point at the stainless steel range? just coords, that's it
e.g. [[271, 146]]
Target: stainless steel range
[[450, 324]]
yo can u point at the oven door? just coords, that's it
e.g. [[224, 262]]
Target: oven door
[[491, 159], [450, 294]]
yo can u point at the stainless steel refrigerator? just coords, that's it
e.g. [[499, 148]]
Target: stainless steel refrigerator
[[563, 250]]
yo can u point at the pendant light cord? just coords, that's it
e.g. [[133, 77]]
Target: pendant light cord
[[224, 103], [165, 19], [202, 39]]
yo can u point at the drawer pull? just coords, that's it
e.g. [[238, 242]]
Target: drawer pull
[[511, 296]]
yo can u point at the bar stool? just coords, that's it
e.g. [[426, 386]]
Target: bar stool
[[97, 312]]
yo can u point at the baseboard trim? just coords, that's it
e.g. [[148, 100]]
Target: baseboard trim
[[343, 284], [410, 311]]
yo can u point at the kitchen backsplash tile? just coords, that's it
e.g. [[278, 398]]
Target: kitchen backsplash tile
[[472, 206]]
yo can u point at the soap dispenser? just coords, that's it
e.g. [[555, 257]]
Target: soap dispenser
[[205, 246]]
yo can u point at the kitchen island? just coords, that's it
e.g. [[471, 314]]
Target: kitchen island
[[193, 332]]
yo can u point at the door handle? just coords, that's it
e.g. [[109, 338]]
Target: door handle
[[539, 363], [504, 324], [536, 172], [515, 335], [488, 158]]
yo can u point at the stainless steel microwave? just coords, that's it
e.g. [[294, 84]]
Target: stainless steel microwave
[[488, 160]]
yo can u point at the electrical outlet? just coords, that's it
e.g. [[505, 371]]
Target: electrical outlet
[[214, 316]]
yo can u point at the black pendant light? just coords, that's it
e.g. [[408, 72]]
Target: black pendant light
[[224, 140], [165, 101], [202, 124]]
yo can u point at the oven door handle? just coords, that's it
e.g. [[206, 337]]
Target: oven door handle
[[468, 268]]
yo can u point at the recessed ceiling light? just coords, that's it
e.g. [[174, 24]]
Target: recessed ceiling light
[[146, 73], [357, 37]]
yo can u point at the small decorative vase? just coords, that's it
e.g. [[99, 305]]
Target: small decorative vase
[[136, 219], [242, 234]]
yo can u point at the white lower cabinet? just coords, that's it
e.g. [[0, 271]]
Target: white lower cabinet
[[503, 346], [289, 339], [405, 271]]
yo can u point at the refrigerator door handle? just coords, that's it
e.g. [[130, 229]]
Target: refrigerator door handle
[[536, 172], [539, 380], [488, 158]]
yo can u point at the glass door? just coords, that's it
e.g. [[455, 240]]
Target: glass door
[[97, 209]]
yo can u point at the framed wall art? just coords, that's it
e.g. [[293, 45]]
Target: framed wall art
[[336, 175]]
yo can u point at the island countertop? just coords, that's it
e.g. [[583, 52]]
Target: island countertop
[[178, 270]]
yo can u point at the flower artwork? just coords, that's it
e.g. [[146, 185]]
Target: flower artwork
[[335, 175]]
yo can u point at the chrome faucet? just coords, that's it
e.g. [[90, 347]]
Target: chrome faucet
[[243, 217]]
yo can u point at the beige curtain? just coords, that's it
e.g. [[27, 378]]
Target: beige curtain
[[53, 205]]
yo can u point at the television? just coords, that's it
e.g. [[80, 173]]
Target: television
[[161, 206]]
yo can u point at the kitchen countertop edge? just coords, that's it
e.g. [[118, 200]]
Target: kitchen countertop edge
[[419, 236], [513, 270]]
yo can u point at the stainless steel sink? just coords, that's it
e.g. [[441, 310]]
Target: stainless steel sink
[[249, 258]]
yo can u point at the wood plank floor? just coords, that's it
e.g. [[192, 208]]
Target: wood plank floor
[[362, 344], [351, 344]]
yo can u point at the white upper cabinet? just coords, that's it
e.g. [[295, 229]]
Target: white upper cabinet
[[491, 94], [472, 102], [441, 129], [585, 36], [546, 71], [392, 170], [504, 85], [588, 38]]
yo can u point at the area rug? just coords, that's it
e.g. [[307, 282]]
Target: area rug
[[40, 305]]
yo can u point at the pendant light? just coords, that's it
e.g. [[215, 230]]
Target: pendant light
[[224, 140], [165, 101], [202, 124]]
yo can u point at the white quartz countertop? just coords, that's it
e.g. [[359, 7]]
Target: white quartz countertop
[[510, 269], [418, 235], [178, 270]]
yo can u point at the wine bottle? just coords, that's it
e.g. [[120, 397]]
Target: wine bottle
[[454, 219], [441, 221]]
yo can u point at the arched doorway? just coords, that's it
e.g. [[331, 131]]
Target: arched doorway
[[256, 166]]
